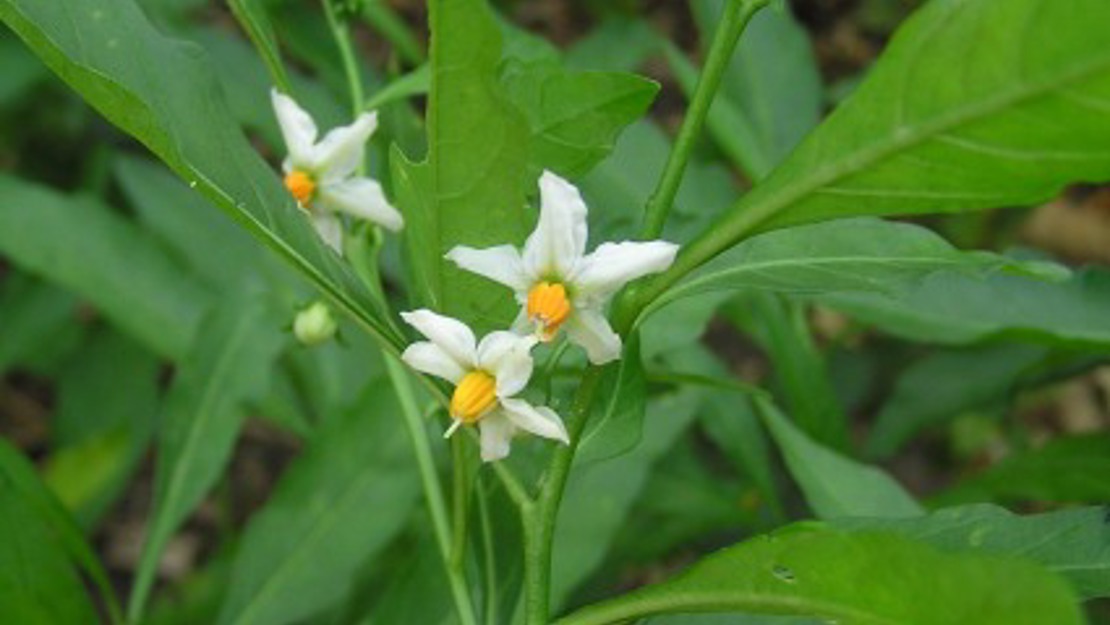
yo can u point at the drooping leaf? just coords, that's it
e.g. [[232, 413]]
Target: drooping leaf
[[163, 92], [1074, 543], [471, 188], [835, 486], [848, 255], [618, 421], [337, 506], [133, 282], [959, 309], [1070, 469], [851, 578], [228, 366]]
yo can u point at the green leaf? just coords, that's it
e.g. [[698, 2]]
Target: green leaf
[[40, 545], [256, 23], [416, 82], [800, 376], [336, 507], [132, 282], [846, 255], [1067, 469], [973, 105], [835, 486], [38, 321], [955, 309], [574, 117], [228, 366], [618, 422], [470, 189], [599, 495], [941, 387], [179, 113], [853, 579], [1073, 543]]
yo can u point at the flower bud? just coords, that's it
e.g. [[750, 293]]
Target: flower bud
[[315, 325]]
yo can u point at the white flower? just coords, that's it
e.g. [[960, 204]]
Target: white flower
[[486, 375], [556, 282], [322, 175]]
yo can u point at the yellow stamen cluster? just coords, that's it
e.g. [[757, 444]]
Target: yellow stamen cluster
[[301, 185], [548, 306], [474, 396]]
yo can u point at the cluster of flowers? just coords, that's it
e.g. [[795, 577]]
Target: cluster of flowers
[[557, 284]]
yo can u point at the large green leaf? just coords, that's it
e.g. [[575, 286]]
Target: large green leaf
[[163, 92], [336, 507], [1067, 469], [1074, 543], [957, 309], [847, 255], [133, 281], [835, 486], [852, 579], [471, 188], [40, 547], [972, 105], [228, 366]]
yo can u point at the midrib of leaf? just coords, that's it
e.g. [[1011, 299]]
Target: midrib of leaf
[[323, 524], [904, 137], [627, 94]]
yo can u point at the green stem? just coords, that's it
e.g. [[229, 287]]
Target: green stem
[[342, 36], [489, 555], [539, 517], [460, 496], [386, 21], [433, 491], [736, 16]]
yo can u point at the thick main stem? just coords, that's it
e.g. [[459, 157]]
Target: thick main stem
[[736, 16], [539, 517]]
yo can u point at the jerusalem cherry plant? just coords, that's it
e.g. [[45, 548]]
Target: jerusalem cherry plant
[[541, 339]]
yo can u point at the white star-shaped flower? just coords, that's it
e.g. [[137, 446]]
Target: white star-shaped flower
[[486, 376], [322, 175], [556, 282]]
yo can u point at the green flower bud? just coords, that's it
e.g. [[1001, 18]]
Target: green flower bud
[[315, 325]]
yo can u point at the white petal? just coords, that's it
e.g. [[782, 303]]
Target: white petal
[[501, 264], [559, 239], [507, 356], [427, 357], [297, 128], [612, 265], [450, 335], [330, 230], [363, 198], [496, 435], [540, 421], [589, 329], [340, 152]]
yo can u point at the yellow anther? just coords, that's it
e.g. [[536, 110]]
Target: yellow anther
[[548, 306], [301, 185], [474, 396]]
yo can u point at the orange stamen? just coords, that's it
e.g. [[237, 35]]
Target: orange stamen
[[301, 185], [549, 307], [475, 395]]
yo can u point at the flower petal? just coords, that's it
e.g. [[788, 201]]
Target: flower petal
[[496, 435], [502, 264], [541, 421], [330, 230], [363, 198], [507, 356], [340, 152], [589, 329], [559, 239], [450, 335], [612, 265], [427, 357], [297, 128]]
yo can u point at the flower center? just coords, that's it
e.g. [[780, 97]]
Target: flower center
[[301, 185], [475, 395], [548, 307]]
